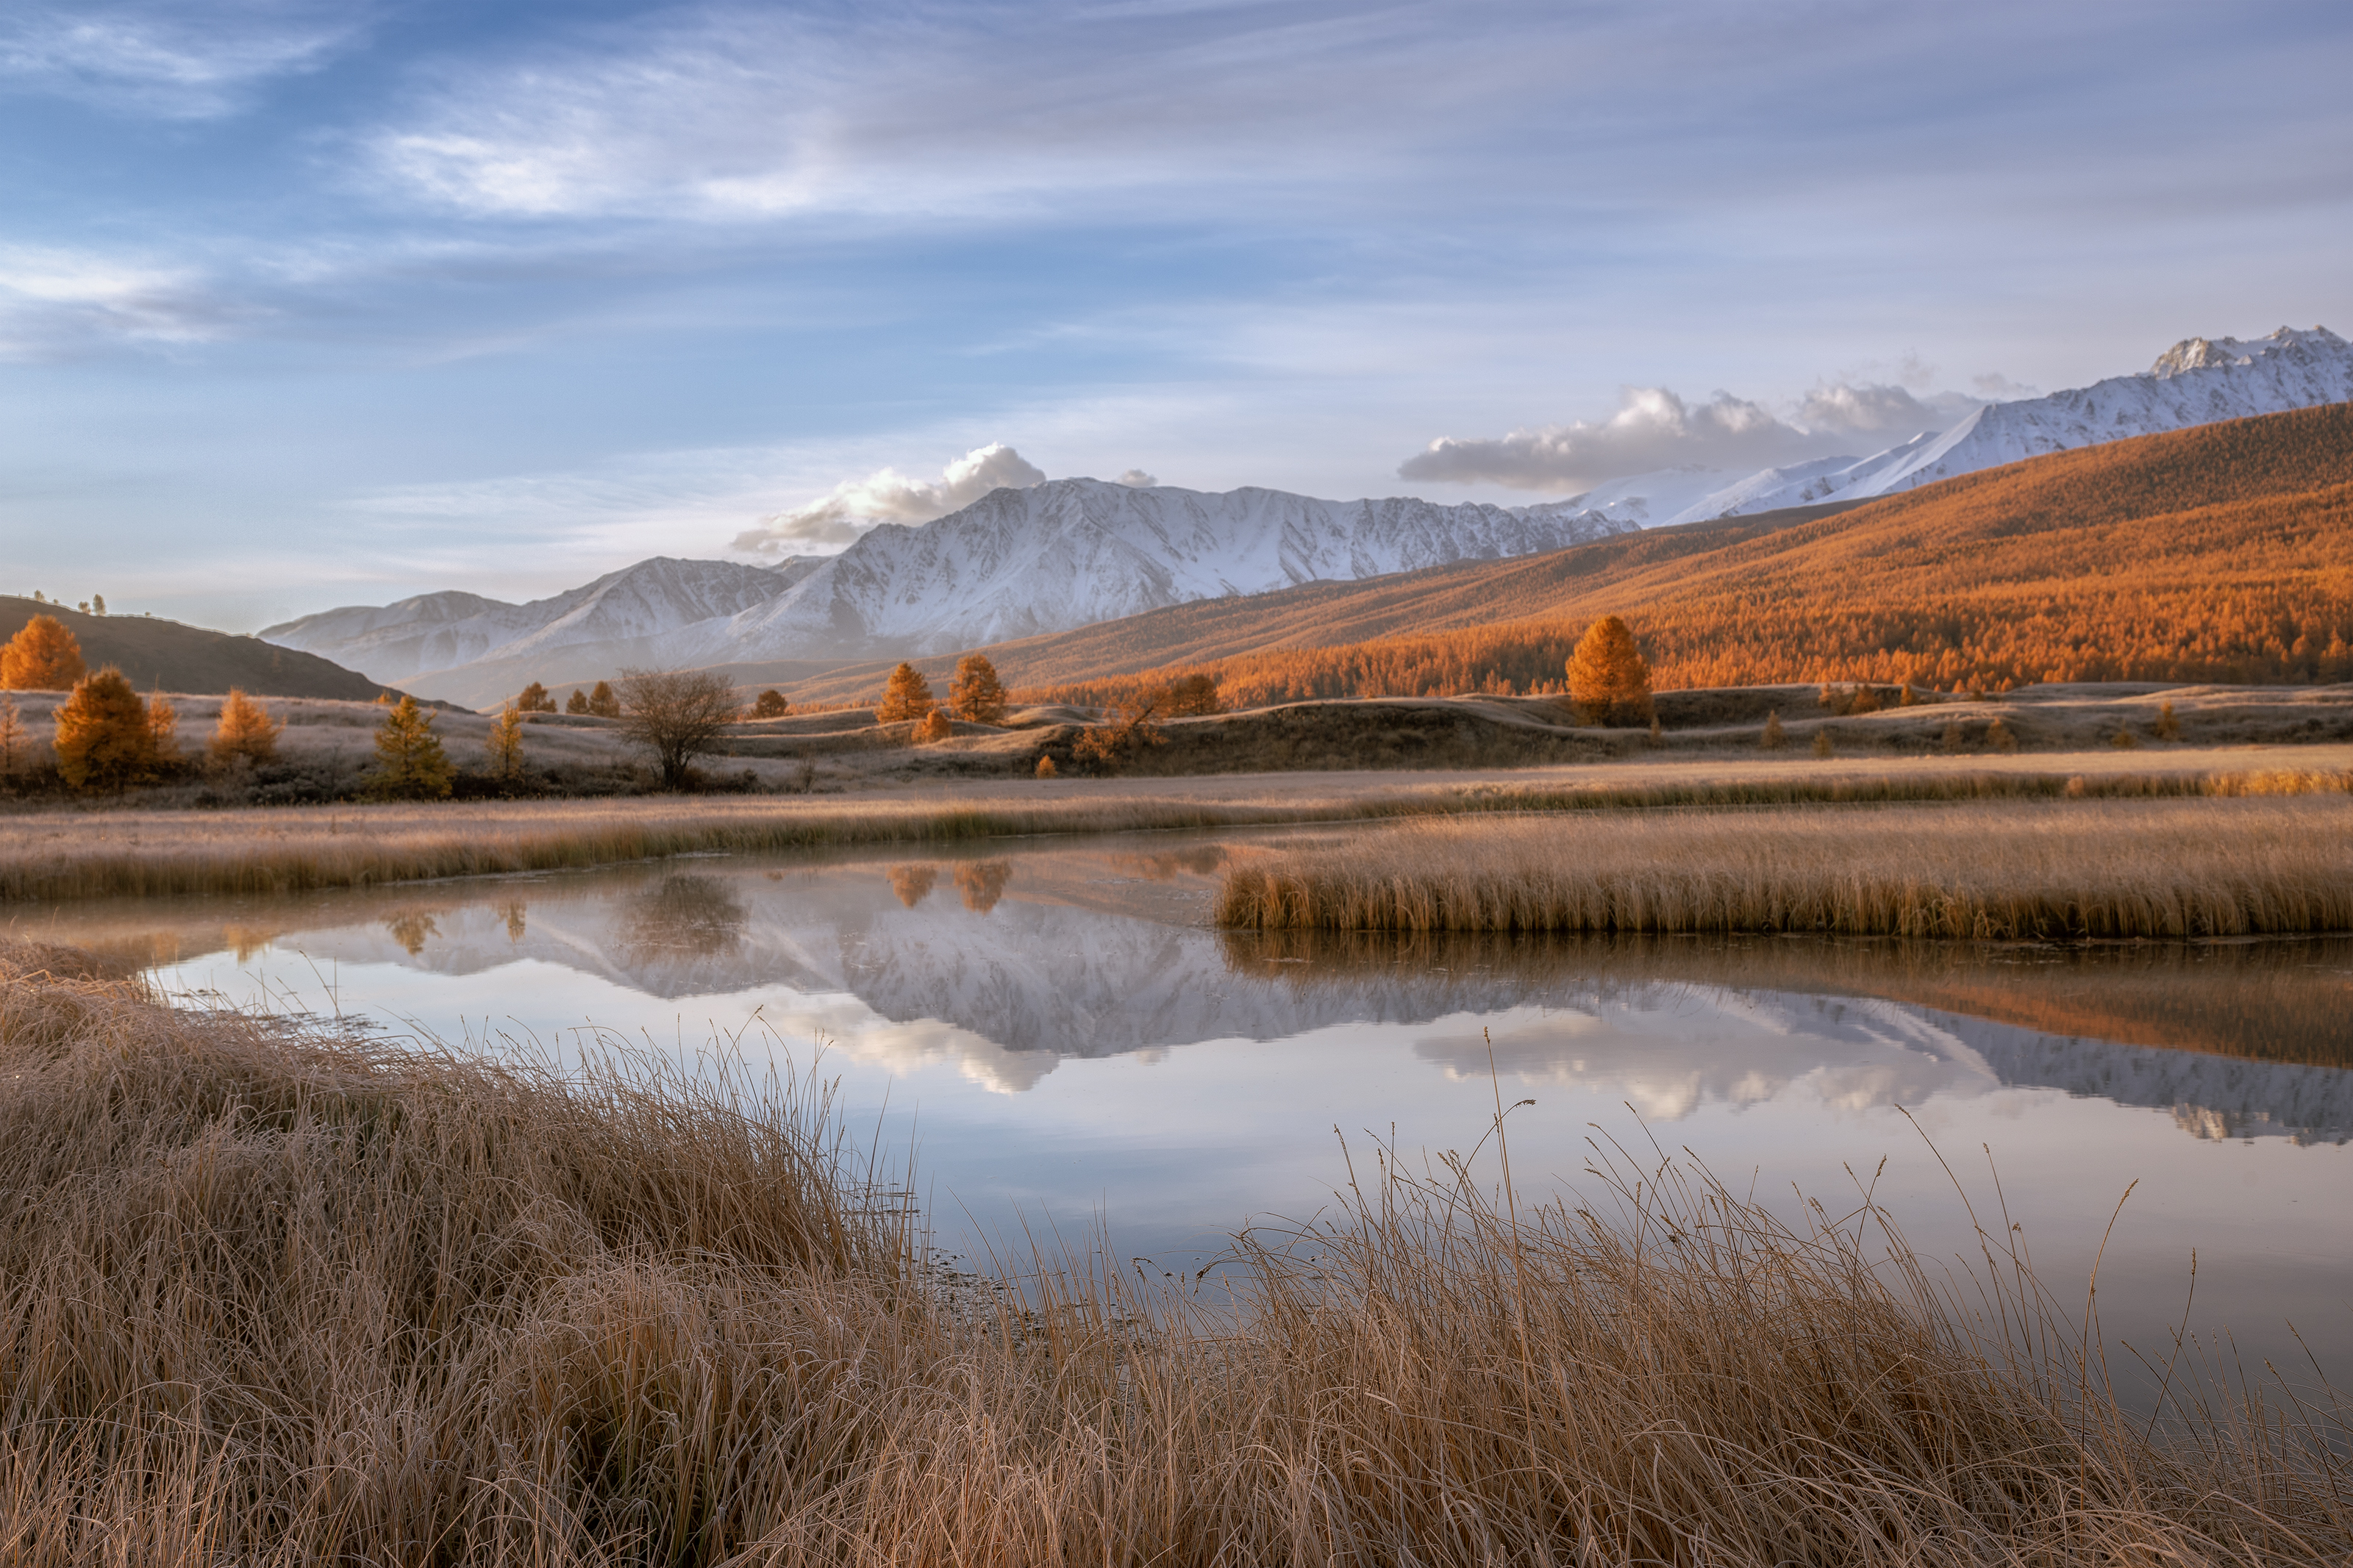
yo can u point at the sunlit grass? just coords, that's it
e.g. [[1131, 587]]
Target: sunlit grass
[[276, 1298], [2102, 868], [49, 857]]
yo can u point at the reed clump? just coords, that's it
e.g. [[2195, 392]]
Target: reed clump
[[274, 1296], [2114, 868]]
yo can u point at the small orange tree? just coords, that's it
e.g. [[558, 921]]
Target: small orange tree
[[770, 704], [103, 738], [163, 724], [1607, 679], [504, 747], [44, 657], [409, 762], [934, 727], [535, 700], [244, 730], [976, 693], [577, 702], [602, 703], [906, 695]]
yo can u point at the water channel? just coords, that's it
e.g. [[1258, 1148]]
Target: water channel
[[1056, 1034]]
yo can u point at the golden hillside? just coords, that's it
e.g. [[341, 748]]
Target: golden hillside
[[2219, 554]]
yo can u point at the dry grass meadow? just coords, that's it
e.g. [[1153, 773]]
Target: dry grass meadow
[[51, 856], [2106, 867], [273, 1298]]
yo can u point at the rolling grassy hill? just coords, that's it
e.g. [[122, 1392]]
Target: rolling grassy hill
[[2218, 553], [176, 658]]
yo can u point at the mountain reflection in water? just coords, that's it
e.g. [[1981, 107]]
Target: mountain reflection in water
[[1058, 954]]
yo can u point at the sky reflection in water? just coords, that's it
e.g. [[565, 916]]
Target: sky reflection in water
[[1059, 1036]]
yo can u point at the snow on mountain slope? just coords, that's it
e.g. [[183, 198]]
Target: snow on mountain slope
[[447, 630], [1070, 552], [1052, 557], [2196, 382]]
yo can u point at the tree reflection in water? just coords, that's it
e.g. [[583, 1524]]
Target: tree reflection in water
[[982, 883], [681, 915], [912, 883]]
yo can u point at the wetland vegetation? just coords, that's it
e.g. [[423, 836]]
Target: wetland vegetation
[[309, 1297]]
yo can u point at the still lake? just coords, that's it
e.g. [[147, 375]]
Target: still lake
[[1054, 1032]]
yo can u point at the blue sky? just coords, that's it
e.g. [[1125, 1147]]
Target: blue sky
[[308, 303]]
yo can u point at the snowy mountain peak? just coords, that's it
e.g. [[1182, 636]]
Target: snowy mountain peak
[[2212, 353]]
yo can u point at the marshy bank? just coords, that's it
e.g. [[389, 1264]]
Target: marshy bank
[[273, 1297], [2020, 868], [54, 856]]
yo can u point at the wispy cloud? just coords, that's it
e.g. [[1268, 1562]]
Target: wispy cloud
[[177, 60], [59, 303], [851, 508]]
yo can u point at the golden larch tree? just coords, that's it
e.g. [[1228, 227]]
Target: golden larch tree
[[1607, 679], [577, 702], [934, 727], [770, 704], [976, 694], [409, 762], [103, 738], [504, 747], [44, 657], [906, 695], [602, 702], [163, 724], [244, 730]]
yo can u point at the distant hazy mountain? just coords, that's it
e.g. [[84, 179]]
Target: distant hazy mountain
[[1017, 562], [2196, 382]]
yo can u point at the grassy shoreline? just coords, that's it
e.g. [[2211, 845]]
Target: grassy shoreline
[[278, 1297], [2029, 869], [54, 857]]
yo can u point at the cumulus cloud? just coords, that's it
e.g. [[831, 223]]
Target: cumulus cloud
[[1654, 429], [1136, 479], [841, 514]]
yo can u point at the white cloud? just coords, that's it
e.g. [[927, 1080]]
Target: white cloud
[[1136, 479], [179, 61], [1654, 429], [851, 508], [55, 302]]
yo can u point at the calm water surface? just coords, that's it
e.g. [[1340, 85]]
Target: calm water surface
[[1062, 1040]]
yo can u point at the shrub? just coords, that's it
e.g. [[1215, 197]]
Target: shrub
[[1774, 737], [976, 693], [678, 715], [934, 727], [104, 741], [770, 704], [906, 696], [1607, 679], [409, 762], [244, 730], [43, 657], [602, 702]]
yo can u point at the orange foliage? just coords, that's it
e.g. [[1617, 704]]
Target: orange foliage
[[2222, 554], [44, 657]]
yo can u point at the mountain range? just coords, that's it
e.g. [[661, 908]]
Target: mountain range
[[1066, 553]]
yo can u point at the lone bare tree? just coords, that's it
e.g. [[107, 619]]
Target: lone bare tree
[[676, 714]]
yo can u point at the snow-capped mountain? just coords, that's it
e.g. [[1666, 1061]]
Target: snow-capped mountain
[[2196, 382], [1057, 556], [449, 630]]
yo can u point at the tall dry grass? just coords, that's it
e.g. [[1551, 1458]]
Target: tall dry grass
[[2020, 869], [274, 1298], [50, 857]]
